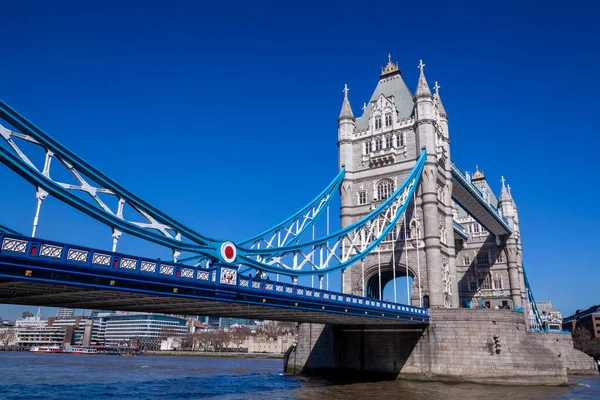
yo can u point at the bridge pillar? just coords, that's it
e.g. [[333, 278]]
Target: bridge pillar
[[427, 135]]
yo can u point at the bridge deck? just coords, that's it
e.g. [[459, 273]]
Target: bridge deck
[[38, 272]]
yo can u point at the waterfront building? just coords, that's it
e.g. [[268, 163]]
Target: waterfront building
[[65, 312], [588, 319], [148, 329], [30, 321], [75, 331]]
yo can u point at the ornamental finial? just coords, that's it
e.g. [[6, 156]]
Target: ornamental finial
[[502, 180], [390, 68], [437, 88], [478, 174], [421, 65], [346, 90]]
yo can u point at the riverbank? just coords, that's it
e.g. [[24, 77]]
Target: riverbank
[[214, 354]]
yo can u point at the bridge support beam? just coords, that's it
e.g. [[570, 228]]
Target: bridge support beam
[[458, 345]]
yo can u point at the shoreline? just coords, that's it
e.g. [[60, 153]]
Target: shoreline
[[180, 353]]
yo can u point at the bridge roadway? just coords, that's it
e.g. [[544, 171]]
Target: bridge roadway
[[45, 273]]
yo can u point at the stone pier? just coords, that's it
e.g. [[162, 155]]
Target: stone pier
[[458, 345]]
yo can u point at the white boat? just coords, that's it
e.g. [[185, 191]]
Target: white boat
[[80, 350], [46, 349]]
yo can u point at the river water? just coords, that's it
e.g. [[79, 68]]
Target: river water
[[89, 377]]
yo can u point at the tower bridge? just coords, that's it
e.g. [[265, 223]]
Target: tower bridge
[[406, 210]]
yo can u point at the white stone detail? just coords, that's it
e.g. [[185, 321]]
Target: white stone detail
[[187, 273], [15, 245], [101, 259], [77, 255], [228, 276], [148, 266], [51, 251], [128, 263], [166, 270]]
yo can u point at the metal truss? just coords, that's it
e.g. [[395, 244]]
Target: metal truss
[[340, 249], [155, 226], [275, 250], [292, 228]]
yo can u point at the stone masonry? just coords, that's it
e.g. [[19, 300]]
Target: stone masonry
[[458, 345]]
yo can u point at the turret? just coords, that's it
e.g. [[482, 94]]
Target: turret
[[425, 113], [346, 126]]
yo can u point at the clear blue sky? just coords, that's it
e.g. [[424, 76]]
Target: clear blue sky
[[224, 114]]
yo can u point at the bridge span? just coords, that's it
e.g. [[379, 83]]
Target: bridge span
[[45, 273]]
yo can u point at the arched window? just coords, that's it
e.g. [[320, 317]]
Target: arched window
[[400, 140], [378, 144], [378, 122], [388, 119], [384, 189]]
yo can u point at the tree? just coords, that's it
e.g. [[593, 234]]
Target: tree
[[7, 336], [239, 334], [583, 340]]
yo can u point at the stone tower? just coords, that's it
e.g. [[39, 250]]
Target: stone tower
[[378, 150]]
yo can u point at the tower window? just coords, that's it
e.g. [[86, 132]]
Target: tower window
[[378, 122], [483, 258], [362, 197], [368, 147], [485, 281], [500, 258], [388, 142], [498, 284], [400, 140], [378, 144], [388, 119], [467, 260], [384, 189]]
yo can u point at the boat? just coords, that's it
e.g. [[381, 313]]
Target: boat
[[46, 349], [81, 350]]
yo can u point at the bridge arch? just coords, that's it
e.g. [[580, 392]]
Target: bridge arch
[[387, 277]]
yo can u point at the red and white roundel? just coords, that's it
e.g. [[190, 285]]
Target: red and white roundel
[[228, 252]]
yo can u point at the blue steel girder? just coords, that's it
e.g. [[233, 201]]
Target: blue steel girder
[[170, 231], [36, 260], [466, 195], [343, 248]]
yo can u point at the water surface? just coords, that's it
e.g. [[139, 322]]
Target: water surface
[[90, 377]]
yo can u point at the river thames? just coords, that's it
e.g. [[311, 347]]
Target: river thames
[[61, 376]]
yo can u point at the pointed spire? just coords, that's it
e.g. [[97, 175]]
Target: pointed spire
[[422, 86], [505, 192], [437, 100], [346, 109]]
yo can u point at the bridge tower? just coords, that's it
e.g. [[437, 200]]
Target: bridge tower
[[378, 150]]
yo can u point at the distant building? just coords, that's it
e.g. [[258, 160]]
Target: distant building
[[65, 312], [61, 331], [551, 317], [146, 329], [26, 314], [588, 319], [227, 322]]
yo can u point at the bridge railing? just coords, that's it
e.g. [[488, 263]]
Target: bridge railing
[[41, 252], [466, 182]]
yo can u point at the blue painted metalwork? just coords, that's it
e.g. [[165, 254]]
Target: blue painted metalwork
[[466, 183], [460, 230], [8, 230], [385, 214], [531, 301], [294, 226], [263, 259], [220, 281]]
